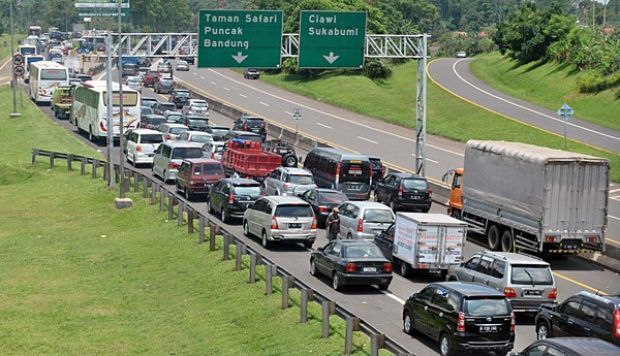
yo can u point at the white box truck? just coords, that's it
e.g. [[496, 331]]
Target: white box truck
[[423, 242]]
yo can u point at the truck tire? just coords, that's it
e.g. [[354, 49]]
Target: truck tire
[[507, 241], [290, 160], [404, 269], [493, 237]]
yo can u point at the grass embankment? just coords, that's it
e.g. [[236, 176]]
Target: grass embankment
[[80, 277], [549, 85], [393, 100], [5, 51]]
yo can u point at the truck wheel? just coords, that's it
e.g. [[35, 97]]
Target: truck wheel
[[290, 161], [404, 269], [91, 137], [507, 241], [493, 237]]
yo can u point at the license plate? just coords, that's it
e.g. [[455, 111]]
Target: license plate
[[355, 187], [532, 292], [294, 226], [487, 328], [434, 271], [569, 247], [370, 269], [416, 197]]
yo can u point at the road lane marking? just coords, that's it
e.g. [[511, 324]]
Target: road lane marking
[[609, 239], [579, 283], [325, 126], [431, 160], [614, 191], [402, 302], [525, 107], [203, 78], [613, 217], [288, 113], [332, 115], [226, 89], [243, 95], [265, 104], [6, 62], [212, 82], [367, 139], [194, 74]]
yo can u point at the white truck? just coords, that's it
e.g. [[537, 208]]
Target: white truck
[[423, 242]]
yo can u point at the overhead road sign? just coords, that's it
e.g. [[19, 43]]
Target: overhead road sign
[[332, 39], [239, 38], [101, 8]]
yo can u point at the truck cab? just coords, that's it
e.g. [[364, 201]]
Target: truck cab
[[454, 179]]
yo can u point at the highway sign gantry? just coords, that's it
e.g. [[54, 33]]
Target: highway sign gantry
[[332, 39], [239, 38]]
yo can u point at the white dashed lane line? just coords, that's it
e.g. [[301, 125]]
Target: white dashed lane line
[[212, 82], [265, 104], [243, 95], [226, 89], [323, 125], [367, 140]]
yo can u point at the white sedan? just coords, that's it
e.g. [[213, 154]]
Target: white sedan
[[182, 66]]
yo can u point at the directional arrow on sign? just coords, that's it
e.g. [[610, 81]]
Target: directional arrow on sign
[[331, 58], [239, 57]]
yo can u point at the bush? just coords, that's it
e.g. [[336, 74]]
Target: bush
[[618, 94], [376, 69], [591, 82], [289, 66]]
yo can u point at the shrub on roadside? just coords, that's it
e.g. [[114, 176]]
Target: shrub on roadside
[[376, 69]]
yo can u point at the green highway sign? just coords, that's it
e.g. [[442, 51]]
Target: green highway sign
[[332, 39], [239, 38]]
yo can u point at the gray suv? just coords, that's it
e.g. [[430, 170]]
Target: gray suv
[[364, 219], [289, 181], [526, 281]]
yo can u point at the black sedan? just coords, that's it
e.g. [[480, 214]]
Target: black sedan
[[323, 201], [352, 262]]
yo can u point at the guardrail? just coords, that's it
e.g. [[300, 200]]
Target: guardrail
[[159, 194], [441, 192]]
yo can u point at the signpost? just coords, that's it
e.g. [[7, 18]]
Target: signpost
[[332, 39], [565, 112], [239, 38]]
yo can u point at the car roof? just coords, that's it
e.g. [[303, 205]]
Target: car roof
[[583, 345], [297, 171], [175, 144], [516, 258], [197, 116], [146, 131], [470, 289], [148, 99], [326, 190], [370, 204], [202, 161], [172, 112], [199, 133], [154, 116], [241, 181], [196, 101], [245, 133], [171, 125], [284, 199], [355, 242], [606, 299]]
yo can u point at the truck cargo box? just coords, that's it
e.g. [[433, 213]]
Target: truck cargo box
[[248, 159]]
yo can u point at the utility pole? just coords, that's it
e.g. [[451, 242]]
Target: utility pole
[[14, 81], [110, 113]]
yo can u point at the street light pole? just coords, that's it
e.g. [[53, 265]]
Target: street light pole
[[120, 104], [14, 81]]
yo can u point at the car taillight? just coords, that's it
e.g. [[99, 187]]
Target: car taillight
[[382, 171], [245, 127], [323, 209], [314, 225], [212, 155], [168, 137], [592, 239], [460, 322], [513, 322], [400, 190], [550, 238], [387, 267], [338, 173], [430, 191], [360, 225], [553, 294], [286, 186], [510, 292], [231, 197], [138, 148], [274, 223], [102, 126], [617, 324], [173, 165], [350, 267]]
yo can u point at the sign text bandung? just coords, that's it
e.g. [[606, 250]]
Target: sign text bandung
[[239, 38]]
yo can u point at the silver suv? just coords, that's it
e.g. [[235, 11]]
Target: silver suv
[[280, 219], [364, 219], [526, 281], [289, 181]]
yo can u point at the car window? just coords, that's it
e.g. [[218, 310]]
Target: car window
[[183, 136], [355, 171], [294, 210], [552, 351], [427, 293], [177, 130], [536, 350], [414, 183], [497, 270], [151, 138], [310, 194], [208, 169], [441, 298], [258, 206], [486, 306], [336, 250], [300, 179], [571, 308], [588, 312], [166, 151], [184, 167], [604, 318], [251, 190], [484, 266], [201, 138], [363, 251], [187, 152], [328, 248], [473, 263], [538, 275], [331, 198], [378, 216]]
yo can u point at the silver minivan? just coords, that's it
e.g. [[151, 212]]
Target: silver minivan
[[170, 155], [362, 219], [280, 219], [141, 145], [288, 181]]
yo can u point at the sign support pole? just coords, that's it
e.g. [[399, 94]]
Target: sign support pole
[[120, 105], [14, 81], [110, 113], [420, 113]]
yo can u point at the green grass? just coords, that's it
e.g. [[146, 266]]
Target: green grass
[[5, 51], [80, 277], [549, 85], [393, 100]]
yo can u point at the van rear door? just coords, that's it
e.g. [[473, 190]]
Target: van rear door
[[354, 178]]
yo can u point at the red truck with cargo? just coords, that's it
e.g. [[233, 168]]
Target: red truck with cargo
[[249, 160]]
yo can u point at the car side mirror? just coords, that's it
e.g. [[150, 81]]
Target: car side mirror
[[320, 249], [514, 354]]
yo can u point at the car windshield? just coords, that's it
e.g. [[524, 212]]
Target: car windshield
[[294, 211], [198, 122], [218, 149], [177, 130], [486, 307], [531, 275], [220, 133], [256, 123], [201, 138], [355, 171], [154, 138], [146, 110], [199, 104], [378, 216], [182, 94], [208, 169], [332, 198], [186, 152], [255, 138], [167, 106], [418, 184], [165, 81], [250, 190], [302, 179], [156, 122], [363, 251]]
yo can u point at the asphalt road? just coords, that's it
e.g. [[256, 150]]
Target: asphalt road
[[394, 144], [453, 74], [383, 309]]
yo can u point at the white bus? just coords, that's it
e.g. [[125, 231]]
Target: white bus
[[44, 77], [89, 110], [34, 31], [27, 50], [31, 40], [28, 60]]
